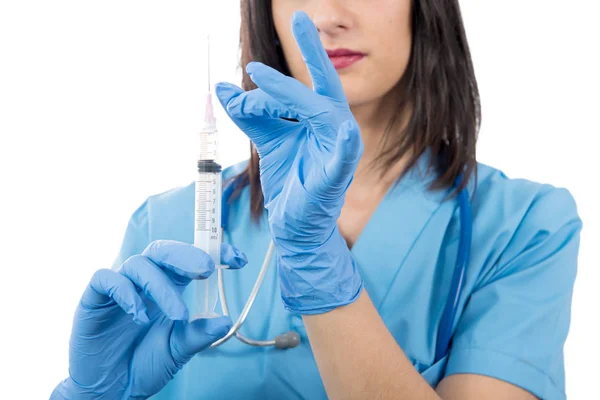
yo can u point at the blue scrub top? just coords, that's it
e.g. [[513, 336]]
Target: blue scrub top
[[514, 311]]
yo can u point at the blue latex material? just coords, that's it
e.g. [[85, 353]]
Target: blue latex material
[[131, 333], [309, 145]]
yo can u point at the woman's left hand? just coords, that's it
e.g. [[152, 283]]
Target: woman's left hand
[[309, 146]]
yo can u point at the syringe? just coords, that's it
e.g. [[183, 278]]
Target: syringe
[[207, 233]]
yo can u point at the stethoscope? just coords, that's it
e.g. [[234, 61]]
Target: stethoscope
[[292, 339]]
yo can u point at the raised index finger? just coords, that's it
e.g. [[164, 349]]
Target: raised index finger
[[325, 78], [290, 92]]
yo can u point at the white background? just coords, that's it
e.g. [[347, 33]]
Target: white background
[[100, 102]]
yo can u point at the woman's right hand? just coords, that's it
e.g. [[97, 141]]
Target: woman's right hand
[[131, 333]]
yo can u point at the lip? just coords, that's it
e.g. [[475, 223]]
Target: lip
[[343, 58]]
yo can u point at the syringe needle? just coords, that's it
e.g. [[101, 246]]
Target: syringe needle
[[208, 60]]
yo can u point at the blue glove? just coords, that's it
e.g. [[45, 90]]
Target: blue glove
[[131, 333], [309, 146]]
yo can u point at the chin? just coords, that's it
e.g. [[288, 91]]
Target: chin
[[360, 92], [357, 90], [358, 96]]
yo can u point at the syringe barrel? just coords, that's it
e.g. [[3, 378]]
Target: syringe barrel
[[207, 231], [208, 143]]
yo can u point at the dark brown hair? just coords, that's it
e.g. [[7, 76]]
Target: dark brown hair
[[439, 85]]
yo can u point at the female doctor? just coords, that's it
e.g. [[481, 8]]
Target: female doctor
[[363, 117]]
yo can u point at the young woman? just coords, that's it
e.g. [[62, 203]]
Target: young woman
[[363, 117]]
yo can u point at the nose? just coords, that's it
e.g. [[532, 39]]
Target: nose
[[332, 17]]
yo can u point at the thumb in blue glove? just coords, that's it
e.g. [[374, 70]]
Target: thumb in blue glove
[[333, 180], [131, 333]]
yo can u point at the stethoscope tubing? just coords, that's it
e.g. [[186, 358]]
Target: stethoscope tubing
[[244, 314], [444, 336]]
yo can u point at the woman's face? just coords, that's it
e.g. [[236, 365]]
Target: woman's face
[[368, 41]]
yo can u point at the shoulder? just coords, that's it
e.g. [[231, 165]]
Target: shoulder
[[518, 222], [516, 309], [169, 200], [518, 199], [170, 214], [167, 215]]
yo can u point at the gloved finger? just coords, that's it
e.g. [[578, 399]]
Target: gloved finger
[[348, 150], [290, 92], [243, 106], [325, 78], [251, 104], [232, 257], [108, 285], [189, 338], [182, 262], [156, 285], [226, 92]]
